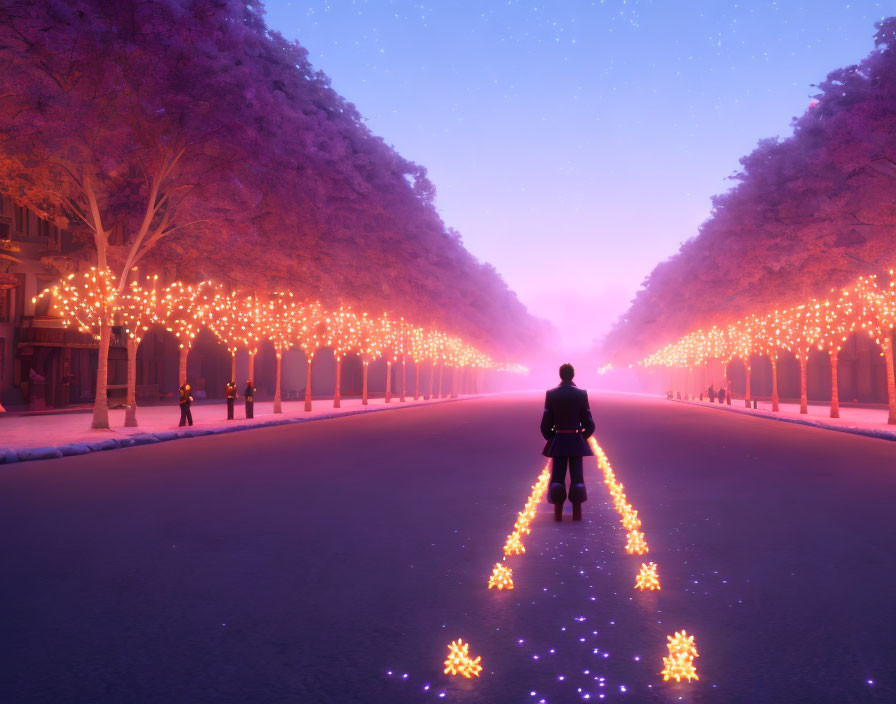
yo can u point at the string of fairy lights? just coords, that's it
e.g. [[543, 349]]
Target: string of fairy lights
[[823, 324], [89, 300], [678, 664]]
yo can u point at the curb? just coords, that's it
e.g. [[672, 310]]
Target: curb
[[820, 424], [12, 456]]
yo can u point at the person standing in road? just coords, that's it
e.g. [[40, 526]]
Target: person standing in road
[[185, 400], [230, 394], [250, 399], [566, 425], [712, 393], [721, 395]]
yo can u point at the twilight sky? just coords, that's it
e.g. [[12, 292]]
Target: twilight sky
[[576, 144]]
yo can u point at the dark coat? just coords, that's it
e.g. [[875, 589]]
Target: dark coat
[[566, 408]]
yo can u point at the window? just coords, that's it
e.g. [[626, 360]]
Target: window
[[5, 297], [19, 213]]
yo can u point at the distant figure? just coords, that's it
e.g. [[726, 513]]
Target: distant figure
[[566, 425], [721, 395], [230, 394], [729, 394], [669, 394], [701, 395], [678, 395], [249, 393], [185, 400], [712, 394]]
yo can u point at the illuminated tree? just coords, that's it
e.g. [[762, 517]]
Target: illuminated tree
[[139, 309], [416, 348], [392, 348], [800, 333], [279, 320], [834, 322], [346, 337], [370, 347], [183, 311], [314, 332], [877, 316], [227, 322]]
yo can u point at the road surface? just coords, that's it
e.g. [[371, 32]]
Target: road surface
[[304, 563]]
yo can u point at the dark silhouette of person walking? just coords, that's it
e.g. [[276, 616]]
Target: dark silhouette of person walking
[[230, 393], [249, 393], [186, 399], [712, 394], [566, 426]]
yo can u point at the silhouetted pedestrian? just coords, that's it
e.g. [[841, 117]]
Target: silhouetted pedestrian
[[721, 395], [185, 400], [230, 393], [566, 426], [250, 399], [712, 393]]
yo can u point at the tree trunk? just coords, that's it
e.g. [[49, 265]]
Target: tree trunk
[[252, 367], [233, 367], [835, 392], [337, 397], [403, 398], [891, 381], [774, 361], [100, 404], [804, 396], [308, 387], [388, 382], [455, 381], [416, 380], [441, 376], [747, 396], [278, 406], [364, 385], [432, 373], [130, 404], [182, 365]]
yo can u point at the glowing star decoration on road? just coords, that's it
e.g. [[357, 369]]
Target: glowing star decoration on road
[[680, 661], [630, 520], [514, 546], [522, 523], [459, 661], [502, 577], [636, 545], [647, 577]]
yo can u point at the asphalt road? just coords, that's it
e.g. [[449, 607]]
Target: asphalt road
[[304, 563]]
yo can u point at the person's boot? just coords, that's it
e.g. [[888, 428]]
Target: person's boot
[[558, 512], [577, 512]]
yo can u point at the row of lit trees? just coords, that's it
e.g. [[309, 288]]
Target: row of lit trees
[[92, 302], [821, 324]]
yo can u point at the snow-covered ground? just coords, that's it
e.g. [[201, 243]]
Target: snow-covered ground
[[866, 421], [21, 432]]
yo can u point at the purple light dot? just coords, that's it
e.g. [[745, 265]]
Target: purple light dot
[[870, 683], [389, 672], [535, 657], [441, 695], [637, 658], [606, 655], [622, 688], [560, 678], [404, 676]]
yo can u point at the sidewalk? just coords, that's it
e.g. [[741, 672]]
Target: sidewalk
[[860, 421], [25, 438]]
